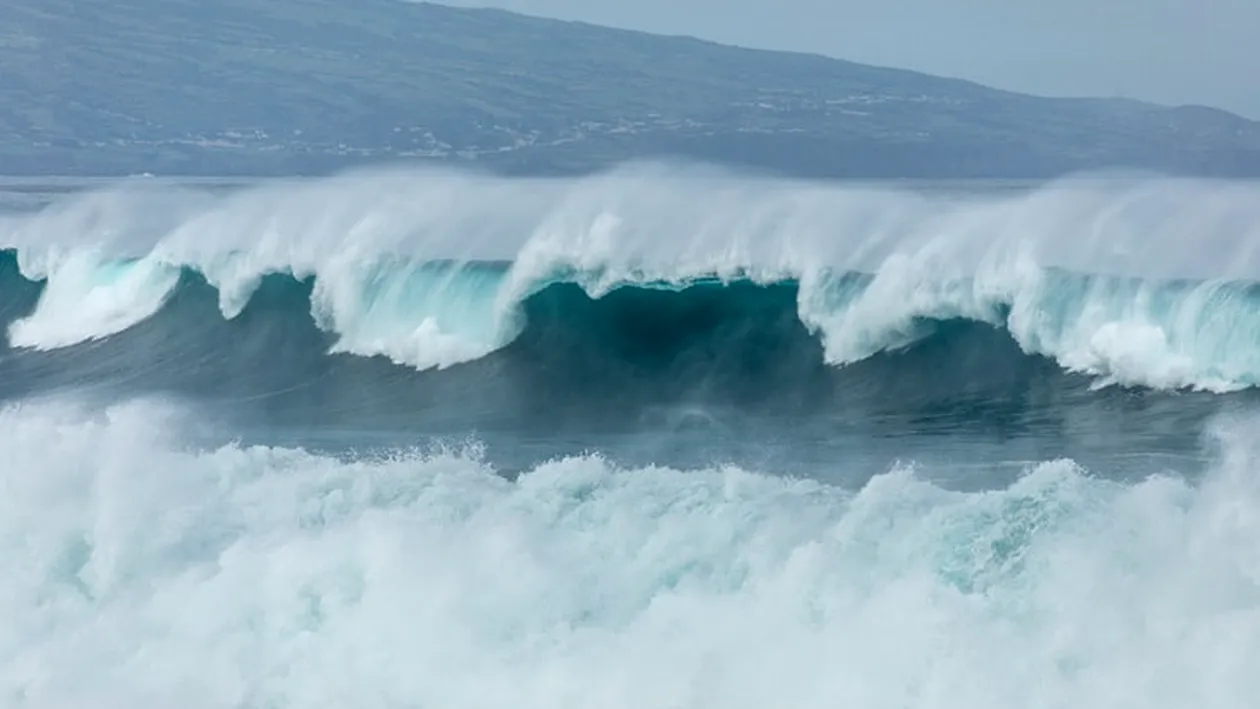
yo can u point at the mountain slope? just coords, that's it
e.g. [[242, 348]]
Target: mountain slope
[[279, 86]]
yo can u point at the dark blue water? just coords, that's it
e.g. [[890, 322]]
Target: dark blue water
[[648, 439], [708, 374]]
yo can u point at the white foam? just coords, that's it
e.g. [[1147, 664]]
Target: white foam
[[89, 297], [974, 255], [142, 572], [417, 314]]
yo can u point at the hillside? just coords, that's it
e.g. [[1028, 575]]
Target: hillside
[[301, 86]]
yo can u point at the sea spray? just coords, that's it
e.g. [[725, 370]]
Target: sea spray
[[151, 572]]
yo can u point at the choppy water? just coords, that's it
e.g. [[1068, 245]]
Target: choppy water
[[656, 438]]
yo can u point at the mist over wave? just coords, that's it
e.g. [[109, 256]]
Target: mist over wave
[[1136, 281], [662, 437], [145, 572]]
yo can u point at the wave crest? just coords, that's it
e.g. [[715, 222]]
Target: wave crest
[[432, 270]]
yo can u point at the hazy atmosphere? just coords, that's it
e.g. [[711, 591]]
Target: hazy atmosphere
[[1167, 51], [388, 354]]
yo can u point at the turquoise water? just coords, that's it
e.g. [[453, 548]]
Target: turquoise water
[[646, 439]]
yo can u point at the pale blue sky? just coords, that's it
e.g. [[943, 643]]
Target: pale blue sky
[[1168, 51]]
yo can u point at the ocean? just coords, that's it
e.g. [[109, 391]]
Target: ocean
[[666, 436]]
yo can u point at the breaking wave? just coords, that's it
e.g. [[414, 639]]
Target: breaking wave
[[656, 438], [1134, 282]]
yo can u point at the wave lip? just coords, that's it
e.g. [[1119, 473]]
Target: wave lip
[[424, 315], [1126, 331], [87, 297]]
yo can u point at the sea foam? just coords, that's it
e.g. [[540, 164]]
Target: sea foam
[[145, 570]]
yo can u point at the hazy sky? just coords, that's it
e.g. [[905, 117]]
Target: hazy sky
[[1168, 51]]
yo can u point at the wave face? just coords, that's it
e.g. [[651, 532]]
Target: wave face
[[754, 321], [1138, 283]]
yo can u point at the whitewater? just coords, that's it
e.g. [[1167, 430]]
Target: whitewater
[[666, 436], [1137, 281]]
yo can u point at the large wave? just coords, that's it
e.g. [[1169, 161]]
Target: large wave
[[1133, 281], [712, 554]]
